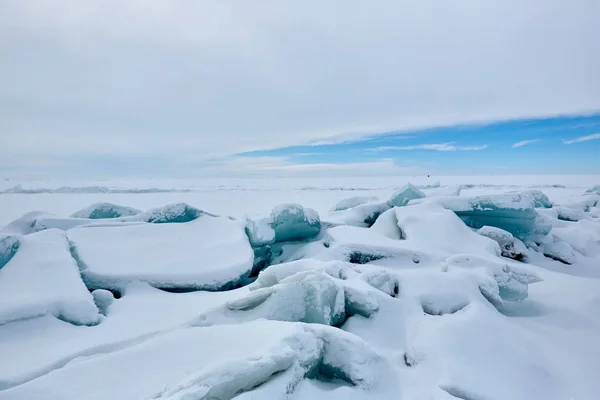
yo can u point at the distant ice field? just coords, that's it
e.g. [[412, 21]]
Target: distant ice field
[[256, 197]]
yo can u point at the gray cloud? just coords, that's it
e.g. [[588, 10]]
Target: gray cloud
[[205, 79]]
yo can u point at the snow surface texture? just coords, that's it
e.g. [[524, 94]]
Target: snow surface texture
[[446, 290]]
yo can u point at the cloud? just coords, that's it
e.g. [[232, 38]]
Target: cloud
[[524, 143], [594, 136], [90, 77], [436, 147]]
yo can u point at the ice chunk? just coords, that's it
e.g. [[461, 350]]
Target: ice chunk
[[9, 244], [171, 213], [103, 299], [387, 225], [405, 194], [539, 198], [513, 286], [42, 278], [509, 246], [260, 232], [353, 202], [312, 297], [569, 214], [514, 213], [38, 221], [594, 190], [559, 251], [105, 210], [292, 222], [211, 253], [363, 215]]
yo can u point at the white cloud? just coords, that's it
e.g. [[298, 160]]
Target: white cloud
[[524, 143], [594, 136], [436, 147], [220, 77]]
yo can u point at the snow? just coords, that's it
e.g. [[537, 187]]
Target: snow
[[435, 299], [207, 253], [42, 278]]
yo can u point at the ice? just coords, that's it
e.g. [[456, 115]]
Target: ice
[[171, 213], [211, 253], [569, 214], [105, 210], [308, 291], [509, 246], [594, 190], [9, 244], [405, 194], [293, 222], [540, 200], [363, 215], [353, 202], [512, 212], [512, 281], [558, 250], [42, 278]]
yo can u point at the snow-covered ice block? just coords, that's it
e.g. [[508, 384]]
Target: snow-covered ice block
[[571, 214], [363, 215], [512, 281], [209, 253], [405, 194], [36, 221], [260, 232], [353, 202], [509, 246], [42, 278], [215, 362], [105, 210], [583, 236], [514, 212], [9, 244], [308, 291], [103, 299], [292, 222], [558, 250], [594, 190], [434, 229], [539, 198], [170, 213]]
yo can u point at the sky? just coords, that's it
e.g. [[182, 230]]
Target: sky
[[186, 88]]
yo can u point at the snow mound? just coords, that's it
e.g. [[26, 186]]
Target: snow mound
[[37, 221], [509, 246], [247, 358], [9, 244], [105, 211], [42, 278], [210, 253], [570, 214]]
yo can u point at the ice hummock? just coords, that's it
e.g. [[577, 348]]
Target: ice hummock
[[352, 202], [9, 244], [286, 223], [292, 222], [512, 212], [512, 281], [42, 278], [105, 210], [404, 195], [210, 253], [170, 213]]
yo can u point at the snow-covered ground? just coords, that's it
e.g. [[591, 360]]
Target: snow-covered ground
[[473, 288]]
